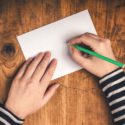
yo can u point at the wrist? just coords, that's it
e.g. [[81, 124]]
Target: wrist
[[108, 70], [14, 111], [9, 116], [119, 69]]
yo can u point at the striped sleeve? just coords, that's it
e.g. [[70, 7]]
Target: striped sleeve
[[113, 86], [8, 118]]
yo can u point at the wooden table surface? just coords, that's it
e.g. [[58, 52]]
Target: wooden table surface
[[78, 101]]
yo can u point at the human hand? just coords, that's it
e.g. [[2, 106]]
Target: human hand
[[30, 88], [93, 64]]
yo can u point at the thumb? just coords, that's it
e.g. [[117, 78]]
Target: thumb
[[78, 57], [49, 93]]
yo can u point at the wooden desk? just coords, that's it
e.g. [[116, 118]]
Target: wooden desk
[[80, 102]]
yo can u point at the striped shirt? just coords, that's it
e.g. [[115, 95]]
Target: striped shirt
[[8, 118], [113, 86]]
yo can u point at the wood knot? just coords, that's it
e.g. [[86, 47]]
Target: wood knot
[[8, 50]]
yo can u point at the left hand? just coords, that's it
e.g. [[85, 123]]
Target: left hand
[[30, 89]]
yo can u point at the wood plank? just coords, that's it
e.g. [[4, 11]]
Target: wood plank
[[79, 100]]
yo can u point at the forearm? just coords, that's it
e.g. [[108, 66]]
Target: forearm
[[8, 118], [113, 85]]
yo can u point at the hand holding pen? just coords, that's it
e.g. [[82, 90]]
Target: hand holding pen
[[93, 64]]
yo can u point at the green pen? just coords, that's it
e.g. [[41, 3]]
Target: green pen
[[90, 52]]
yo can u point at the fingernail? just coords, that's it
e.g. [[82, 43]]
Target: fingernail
[[69, 43], [30, 58], [47, 53], [54, 59], [40, 53], [71, 48], [37, 54]]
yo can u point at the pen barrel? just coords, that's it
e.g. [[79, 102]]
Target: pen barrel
[[99, 56]]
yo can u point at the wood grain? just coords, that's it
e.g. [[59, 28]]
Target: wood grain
[[79, 100]]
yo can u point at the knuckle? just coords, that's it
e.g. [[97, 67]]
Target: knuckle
[[23, 80], [107, 41], [20, 83], [28, 70], [84, 64], [30, 84], [86, 33], [40, 67], [30, 81], [101, 44], [50, 72], [82, 35], [15, 80]]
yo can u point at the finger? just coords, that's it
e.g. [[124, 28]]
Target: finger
[[23, 68], [48, 74], [86, 39], [83, 40], [78, 57], [49, 93], [94, 36], [41, 68], [31, 68]]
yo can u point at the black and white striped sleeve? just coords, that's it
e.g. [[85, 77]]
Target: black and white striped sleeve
[[8, 118], [113, 86]]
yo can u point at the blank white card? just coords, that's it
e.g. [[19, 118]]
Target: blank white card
[[53, 37]]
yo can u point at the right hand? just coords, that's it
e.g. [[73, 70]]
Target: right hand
[[93, 64]]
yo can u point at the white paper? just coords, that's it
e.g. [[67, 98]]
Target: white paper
[[53, 37]]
